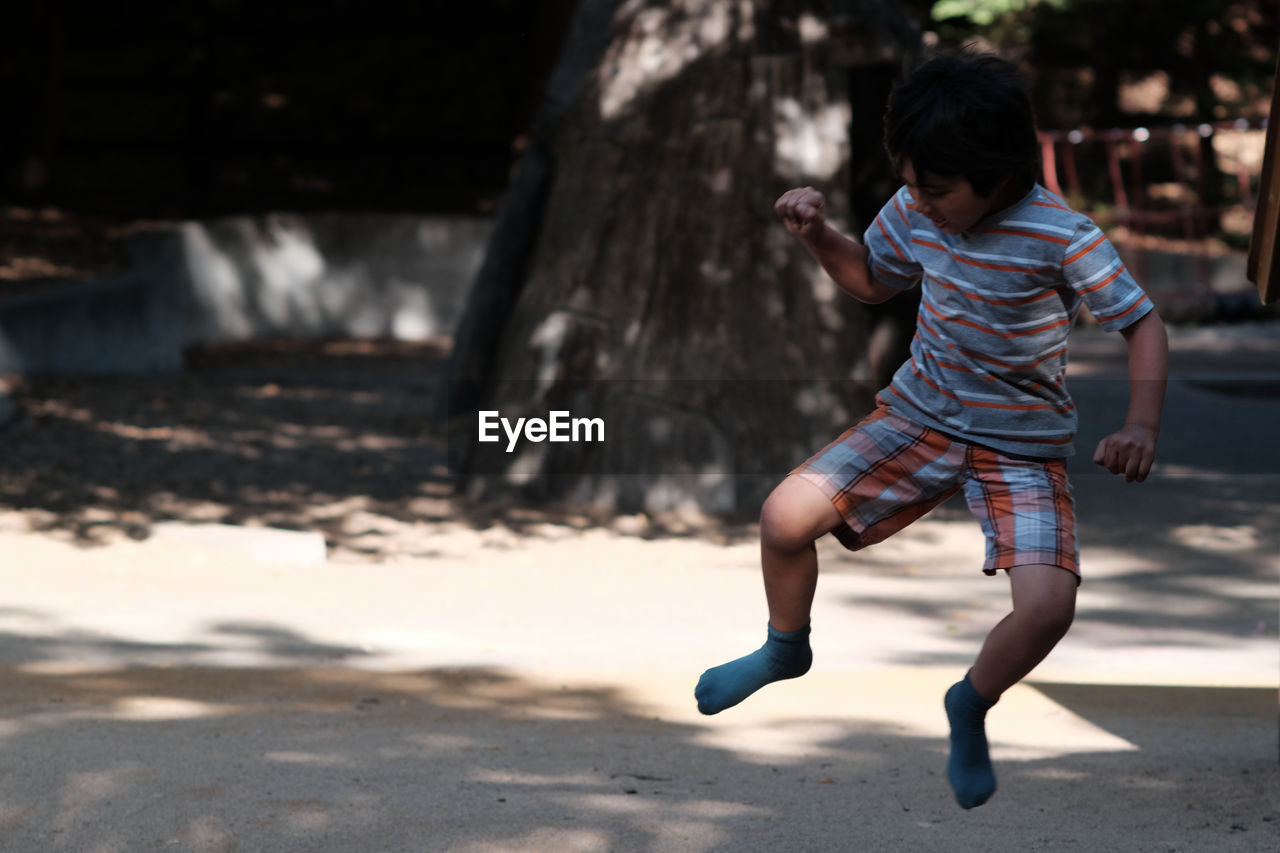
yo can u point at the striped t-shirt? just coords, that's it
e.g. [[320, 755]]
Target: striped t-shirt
[[989, 357]]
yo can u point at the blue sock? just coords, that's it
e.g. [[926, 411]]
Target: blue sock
[[969, 767], [781, 656]]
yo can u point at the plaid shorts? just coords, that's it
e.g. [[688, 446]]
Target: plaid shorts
[[888, 471]]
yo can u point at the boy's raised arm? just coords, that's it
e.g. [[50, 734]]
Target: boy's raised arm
[[1131, 450], [803, 212]]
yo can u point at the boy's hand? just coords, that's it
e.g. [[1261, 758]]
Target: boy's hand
[[803, 211], [1129, 451]]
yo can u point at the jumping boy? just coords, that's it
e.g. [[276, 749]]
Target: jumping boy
[[981, 405]]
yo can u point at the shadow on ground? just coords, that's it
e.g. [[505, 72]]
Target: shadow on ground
[[289, 435], [121, 757], [342, 438], [345, 439]]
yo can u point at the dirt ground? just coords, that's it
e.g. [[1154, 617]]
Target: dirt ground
[[458, 678]]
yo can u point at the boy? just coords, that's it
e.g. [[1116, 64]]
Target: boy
[[980, 406]]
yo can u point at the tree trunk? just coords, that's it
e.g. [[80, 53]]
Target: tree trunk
[[502, 276], [663, 297]]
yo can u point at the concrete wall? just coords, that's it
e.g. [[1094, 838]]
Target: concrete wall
[[274, 276], [342, 276]]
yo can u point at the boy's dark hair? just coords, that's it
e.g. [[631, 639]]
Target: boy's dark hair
[[965, 115]]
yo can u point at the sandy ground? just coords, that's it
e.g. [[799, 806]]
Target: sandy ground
[[454, 678]]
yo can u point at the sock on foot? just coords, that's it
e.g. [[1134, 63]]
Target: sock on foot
[[783, 655], [969, 767]]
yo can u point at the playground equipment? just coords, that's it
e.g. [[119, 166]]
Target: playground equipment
[[1186, 209]]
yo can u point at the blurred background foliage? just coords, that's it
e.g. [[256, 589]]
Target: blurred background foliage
[[222, 107], [1159, 105], [1102, 63]]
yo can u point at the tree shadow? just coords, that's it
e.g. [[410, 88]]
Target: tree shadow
[[277, 435], [121, 756], [343, 438]]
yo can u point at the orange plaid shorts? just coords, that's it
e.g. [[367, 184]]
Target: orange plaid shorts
[[888, 471]]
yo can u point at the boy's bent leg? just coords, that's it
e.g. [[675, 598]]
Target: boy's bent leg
[[796, 514], [793, 517], [1044, 604], [1043, 607]]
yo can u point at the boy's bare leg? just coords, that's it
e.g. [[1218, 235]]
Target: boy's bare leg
[[1044, 599], [795, 515], [1044, 604]]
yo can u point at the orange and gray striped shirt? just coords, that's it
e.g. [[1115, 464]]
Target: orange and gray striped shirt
[[989, 357]]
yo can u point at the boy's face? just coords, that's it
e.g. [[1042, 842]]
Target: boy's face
[[949, 201]]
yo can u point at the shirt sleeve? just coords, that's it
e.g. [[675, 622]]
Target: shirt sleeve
[[888, 239], [1093, 269]]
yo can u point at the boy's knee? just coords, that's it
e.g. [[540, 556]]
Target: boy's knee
[[1051, 614], [1046, 597], [781, 531], [1056, 618], [795, 515]]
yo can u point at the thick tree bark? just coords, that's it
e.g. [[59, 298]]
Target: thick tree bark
[[503, 274], [663, 297]]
